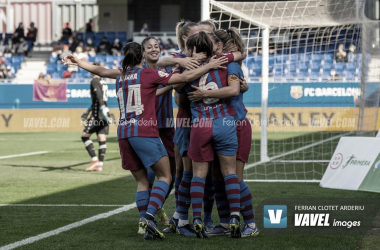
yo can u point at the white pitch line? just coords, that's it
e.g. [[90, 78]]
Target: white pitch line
[[294, 151], [58, 205], [26, 154], [312, 181], [67, 228]]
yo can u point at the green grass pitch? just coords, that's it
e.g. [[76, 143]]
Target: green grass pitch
[[58, 177]]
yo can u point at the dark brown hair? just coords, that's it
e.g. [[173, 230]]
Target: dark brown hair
[[182, 29], [146, 40], [228, 37], [202, 42], [133, 55]]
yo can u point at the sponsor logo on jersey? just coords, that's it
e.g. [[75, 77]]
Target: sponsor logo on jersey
[[163, 74], [296, 92]]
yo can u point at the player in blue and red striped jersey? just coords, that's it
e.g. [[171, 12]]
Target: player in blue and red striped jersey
[[209, 133], [231, 38], [140, 146]]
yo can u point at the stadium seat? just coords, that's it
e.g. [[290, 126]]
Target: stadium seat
[[110, 58], [109, 64], [99, 35], [61, 67], [111, 36], [89, 35], [255, 71], [302, 77], [328, 57], [349, 76], [7, 36], [351, 67], [91, 59], [122, 35], [257, 59], [271, 59], [339, 66], [327, 66], [314, 76], [100, 58], [326, 76], [53, 59]]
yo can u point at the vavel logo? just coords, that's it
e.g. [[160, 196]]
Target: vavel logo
[[275, 216]]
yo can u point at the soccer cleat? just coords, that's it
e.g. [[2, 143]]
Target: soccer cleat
[[249, 230], [141, 230], [148, 236], [209, 225], [93, 165], [235, 227], [219, 230], [172, 226], [199, 229], [151, 226], [98, 168], [186, 230], [162, 217]]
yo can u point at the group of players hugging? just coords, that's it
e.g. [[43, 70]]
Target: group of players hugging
[[204, 156]]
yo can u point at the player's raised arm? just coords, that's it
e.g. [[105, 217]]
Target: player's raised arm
[[97, 70], [190, 75], [186, 62]]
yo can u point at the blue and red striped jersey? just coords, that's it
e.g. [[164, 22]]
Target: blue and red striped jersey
[[136, 95], [183, 115], [211, 108], [164, 105], [237, 102]]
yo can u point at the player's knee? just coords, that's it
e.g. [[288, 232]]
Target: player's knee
[[84, 138]]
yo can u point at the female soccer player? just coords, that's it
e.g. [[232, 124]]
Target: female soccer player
[[97, 123], [209, 133], [140, 146], [231, 38]]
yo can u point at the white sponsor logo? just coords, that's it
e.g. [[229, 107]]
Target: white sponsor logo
[[163, 74], [318, 92]]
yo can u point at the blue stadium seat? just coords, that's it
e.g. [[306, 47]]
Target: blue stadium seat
[[327, 66], [328, 57], [111, 36], [257, 59], [109, 64], [271, 59], [91, 59], [281, 59], [55, 75], [122, 35], [302, 76], [100, 58], [7, 36], [61, 67], [86, 74], [110, 58], [290, 76], [304, 57], [349, 76], [314, 76], [99, 35], [255, 71], [326, 76], [339, 66], [351, 67], [89, 34]]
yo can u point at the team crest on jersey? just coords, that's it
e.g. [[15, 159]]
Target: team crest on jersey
[[163, 74], [296, 92]]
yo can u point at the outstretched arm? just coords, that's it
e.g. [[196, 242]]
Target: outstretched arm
[[190, 75], [163, 90], [97, 70], [186, 62], [232, 90]]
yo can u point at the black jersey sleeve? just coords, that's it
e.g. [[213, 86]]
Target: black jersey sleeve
[[97, 89]]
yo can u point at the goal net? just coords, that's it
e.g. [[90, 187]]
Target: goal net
[[312, 69]]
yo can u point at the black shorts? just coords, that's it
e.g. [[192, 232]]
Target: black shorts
[[94, 125]]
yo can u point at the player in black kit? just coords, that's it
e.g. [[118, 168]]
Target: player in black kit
[[97, 122]]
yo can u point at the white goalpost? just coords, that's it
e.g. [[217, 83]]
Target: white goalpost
[[308, 66]]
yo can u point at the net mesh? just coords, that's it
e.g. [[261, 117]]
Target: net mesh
[[317, 90]]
